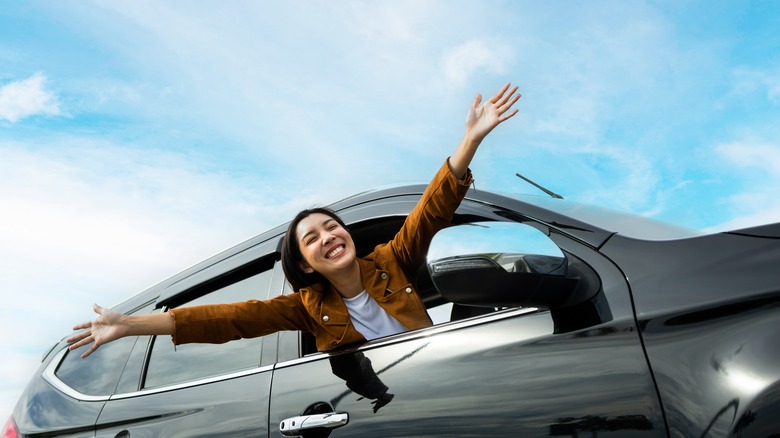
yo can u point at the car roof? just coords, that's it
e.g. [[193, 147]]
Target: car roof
[[589, 224]]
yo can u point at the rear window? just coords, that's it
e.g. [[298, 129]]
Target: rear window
[[99, 373]]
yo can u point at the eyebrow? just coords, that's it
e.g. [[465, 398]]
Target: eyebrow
[[324, 223]]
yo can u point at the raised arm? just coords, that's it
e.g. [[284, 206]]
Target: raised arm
[[480, 120], [441, 198], [110, 326]]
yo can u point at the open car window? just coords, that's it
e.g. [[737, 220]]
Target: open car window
[[367, 235]]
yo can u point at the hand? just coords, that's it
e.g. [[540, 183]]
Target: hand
[[480, 120], [381, 401], [105, 328]]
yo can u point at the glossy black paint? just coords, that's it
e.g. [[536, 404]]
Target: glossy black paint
[[456, 384], [42, 410], [711, 327], [685, 342], [235, 407]]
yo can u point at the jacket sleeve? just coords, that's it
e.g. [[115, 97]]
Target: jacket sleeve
[[433, 212], [219, 323]]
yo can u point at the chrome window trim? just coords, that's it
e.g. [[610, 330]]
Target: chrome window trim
[[50, 376], [192, 383], [418, 334]]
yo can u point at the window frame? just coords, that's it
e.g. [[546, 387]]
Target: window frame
[[49, 373], [378, 210], [210, 285]]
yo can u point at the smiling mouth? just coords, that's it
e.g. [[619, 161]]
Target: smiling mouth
[[335, 252]]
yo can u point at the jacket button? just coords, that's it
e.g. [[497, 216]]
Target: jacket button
[[326, 318], [408, 290], [384, 276]]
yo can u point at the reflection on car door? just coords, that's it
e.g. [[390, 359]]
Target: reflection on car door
[[504, 374], [234, 407]]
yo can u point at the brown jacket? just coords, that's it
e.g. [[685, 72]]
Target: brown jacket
[[386, 274]]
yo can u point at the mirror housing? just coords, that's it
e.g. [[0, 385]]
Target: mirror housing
[[507, 264]]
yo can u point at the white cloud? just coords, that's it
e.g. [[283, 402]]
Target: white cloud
[[773, 86], [398, 21], [751, 209], [460, 63], [26, 98], [757, 165], [748, 80], [89, 203], [760, 156], [621, 178], [86, 221]]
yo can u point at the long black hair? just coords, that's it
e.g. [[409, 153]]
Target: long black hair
[[292, 259]]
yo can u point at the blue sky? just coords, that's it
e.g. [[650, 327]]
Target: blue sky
[[138, 138]]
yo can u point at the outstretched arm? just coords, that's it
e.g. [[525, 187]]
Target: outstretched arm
[[110, 326], [429, 216], [480, 120]]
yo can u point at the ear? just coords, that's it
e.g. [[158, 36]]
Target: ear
[[306, 268]]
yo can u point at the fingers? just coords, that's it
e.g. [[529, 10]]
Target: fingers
[[503, 101], [508, 97], [84, 341], [85, 337], [503, 108], [83, 325], [88, 352], [498, 95], [78, 336], [507, 116], [477, 101]]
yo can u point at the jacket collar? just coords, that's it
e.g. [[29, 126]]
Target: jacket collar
[[374, 279]]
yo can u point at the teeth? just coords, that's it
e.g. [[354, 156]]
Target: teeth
[[335, 251]]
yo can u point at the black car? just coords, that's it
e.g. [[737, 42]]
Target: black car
[[551, 319]]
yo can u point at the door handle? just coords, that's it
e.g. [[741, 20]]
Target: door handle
[[295, 425]]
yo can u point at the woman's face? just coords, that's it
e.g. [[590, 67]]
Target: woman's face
[[325, 245]]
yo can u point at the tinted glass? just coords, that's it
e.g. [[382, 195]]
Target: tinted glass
[[193, 361], [98, 374]]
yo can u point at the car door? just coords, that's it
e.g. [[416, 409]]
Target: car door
[[199, 390], [512, 372]]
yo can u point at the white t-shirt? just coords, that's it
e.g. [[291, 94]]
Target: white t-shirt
[[371, 320]]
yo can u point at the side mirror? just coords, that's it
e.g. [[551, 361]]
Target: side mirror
[[507, 264]]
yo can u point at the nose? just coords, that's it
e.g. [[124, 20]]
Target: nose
[[327, 237]]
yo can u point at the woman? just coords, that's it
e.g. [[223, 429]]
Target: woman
[[341, 299]]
